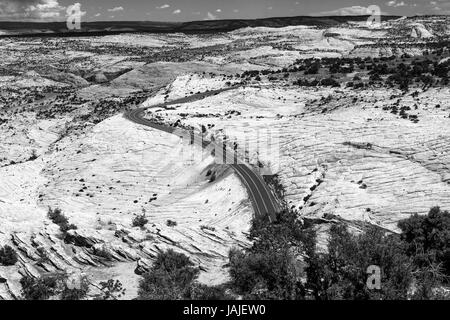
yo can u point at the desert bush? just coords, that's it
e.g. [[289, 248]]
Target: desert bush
[[111, 290], [140, 221], [268, 269], [340, 273], [264, 275], [170, 277], [41, 288], [171, 223], [413, 263], [329, 82], [8, 256], [199, 291], [428, 239], [60, 219]]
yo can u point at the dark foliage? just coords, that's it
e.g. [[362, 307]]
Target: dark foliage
[[170, 277], [111, 290], [268, 270], [39, 288], [60, 219], [140, 221], [8, 256], [428, 244], [340, 273], [428, 238]]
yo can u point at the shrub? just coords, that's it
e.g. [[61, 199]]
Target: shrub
[[8, 256], [268, 269], [60, 219], [202, 292], [329, 82], [428, 238], [264, 275], [414, 264], [171, 223], [39, 288], [140, 221], [170, 277], [111, 290], [341, 272]]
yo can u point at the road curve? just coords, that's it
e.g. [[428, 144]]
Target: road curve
[[261, 197]]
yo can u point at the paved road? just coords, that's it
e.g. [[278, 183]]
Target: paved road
[[261, 197]]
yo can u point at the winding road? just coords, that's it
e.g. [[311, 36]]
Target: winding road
[[261, 197]]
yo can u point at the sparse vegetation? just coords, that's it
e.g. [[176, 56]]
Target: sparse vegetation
[[171, 223], [60, 219], [334, 107], [140, 220], [269, 269], [170, 277], [413, 264], [341, 273], [111, 290], [42, 288], [8, 256]]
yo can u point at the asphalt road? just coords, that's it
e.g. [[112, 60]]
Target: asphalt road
[[261, 197]]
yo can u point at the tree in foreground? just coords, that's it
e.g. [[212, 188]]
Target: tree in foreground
[[8, 256], [341, 272], [173, 276], [427, 241], [269, 270]]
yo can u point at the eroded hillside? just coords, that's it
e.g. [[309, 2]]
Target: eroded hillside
[[359, 119]]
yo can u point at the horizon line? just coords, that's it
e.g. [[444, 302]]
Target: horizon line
[[235, 19]]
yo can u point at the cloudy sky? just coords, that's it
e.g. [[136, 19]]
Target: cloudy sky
[[185, 10]]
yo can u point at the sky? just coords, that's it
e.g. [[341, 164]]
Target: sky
[[188, 10]]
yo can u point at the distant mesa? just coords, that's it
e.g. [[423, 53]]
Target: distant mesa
[[418, 30], [16, 28]]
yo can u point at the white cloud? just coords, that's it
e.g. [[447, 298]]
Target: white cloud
[[219, 10], [347, 11], [97, 15], [164, 6], [33, 10], [115, 9], [440, 7], [395, 4], [177, 11]]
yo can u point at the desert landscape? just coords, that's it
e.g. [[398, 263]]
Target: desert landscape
[[359, 125]]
